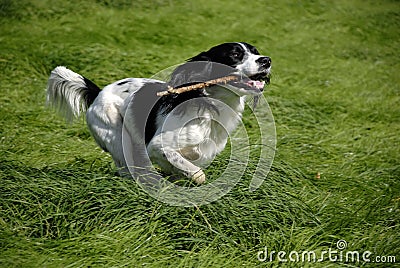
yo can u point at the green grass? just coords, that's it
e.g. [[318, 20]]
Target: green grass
[[335, 97]]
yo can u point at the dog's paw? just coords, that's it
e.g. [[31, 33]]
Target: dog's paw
[[199, 177]]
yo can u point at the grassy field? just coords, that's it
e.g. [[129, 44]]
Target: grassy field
[[335, 96]]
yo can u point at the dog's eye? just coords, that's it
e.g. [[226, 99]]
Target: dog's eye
[[235, 54]]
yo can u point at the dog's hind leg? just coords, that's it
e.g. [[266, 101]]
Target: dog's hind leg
[[105, 124]]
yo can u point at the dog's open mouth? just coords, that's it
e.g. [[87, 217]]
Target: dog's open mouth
[[263, 77], [255, 82]]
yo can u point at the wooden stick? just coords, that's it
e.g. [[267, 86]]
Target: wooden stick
[[180, 90]]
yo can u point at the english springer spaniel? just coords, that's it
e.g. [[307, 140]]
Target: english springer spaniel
[[181, 132]]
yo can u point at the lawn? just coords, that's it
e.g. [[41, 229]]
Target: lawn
[[334, 95]]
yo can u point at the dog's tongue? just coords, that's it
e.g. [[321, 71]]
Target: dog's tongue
[[257, 84]]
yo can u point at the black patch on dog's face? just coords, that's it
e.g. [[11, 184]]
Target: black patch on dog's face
[[230, 54], [251, 48], [242, 56]]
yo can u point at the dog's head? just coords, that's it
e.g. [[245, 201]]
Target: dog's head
[[244, 59], [240, 60]]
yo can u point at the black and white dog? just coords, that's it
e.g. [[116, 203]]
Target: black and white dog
[[181, 132]]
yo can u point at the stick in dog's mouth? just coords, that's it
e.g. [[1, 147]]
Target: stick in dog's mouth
[[257, 82], [209, 83]]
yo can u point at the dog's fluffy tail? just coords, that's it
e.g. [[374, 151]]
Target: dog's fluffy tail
[[70, 93]]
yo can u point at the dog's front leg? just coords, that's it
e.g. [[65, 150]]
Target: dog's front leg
[[170, 160], [189, 169]]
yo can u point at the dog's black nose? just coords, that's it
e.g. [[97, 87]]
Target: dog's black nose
[[264, 61]]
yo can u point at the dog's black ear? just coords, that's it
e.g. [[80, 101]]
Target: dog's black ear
[[201, 57], [191, 72]]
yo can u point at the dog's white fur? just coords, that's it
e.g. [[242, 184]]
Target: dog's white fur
[[182, 143]]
